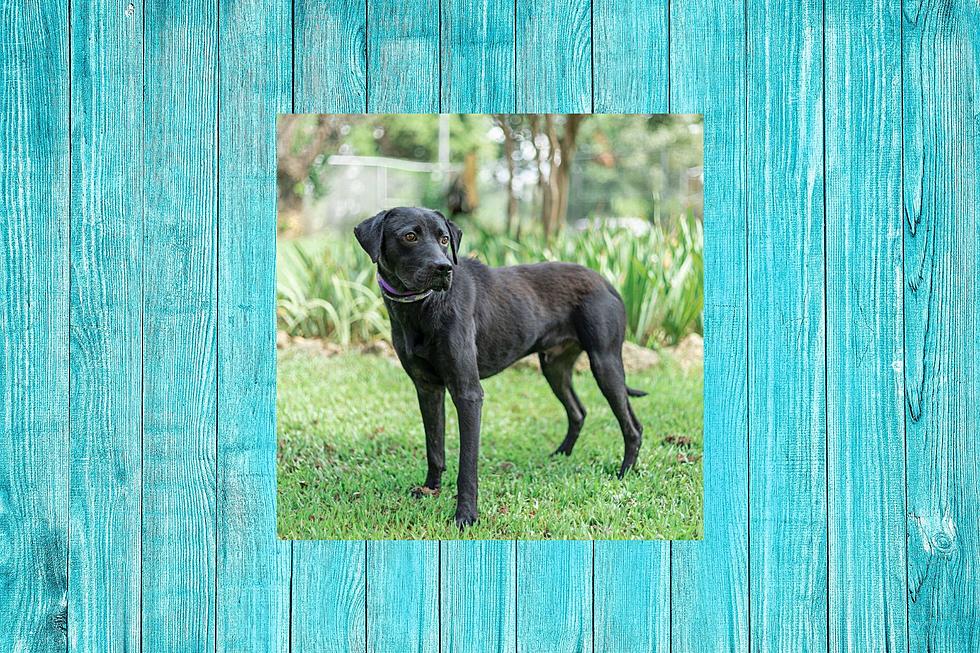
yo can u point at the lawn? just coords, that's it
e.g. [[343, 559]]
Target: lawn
[[351, 447]]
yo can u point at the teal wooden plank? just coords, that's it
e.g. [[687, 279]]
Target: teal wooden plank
[[554, 74], [179, 334], [631, 55], [632, 610], [478, 597], [477, 583], [329, 608], [403, 596], [106, 327], [865, 406], [403, 56], [709, 579], [34, 211], [787, 433], [632, 596], [554, 56], [477, 56], [941, 64], [329, 56], [253, 566], [554, 597], [328, 604], [403, 77]]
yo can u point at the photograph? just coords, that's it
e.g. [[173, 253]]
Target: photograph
[[489, 326]]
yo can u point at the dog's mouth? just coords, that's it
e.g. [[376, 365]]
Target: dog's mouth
[[442, 283]]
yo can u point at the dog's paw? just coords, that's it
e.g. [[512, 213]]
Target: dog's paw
[[465, 517], [424, 491], [563, 449]]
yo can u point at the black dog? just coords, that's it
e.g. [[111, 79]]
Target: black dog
[[454, 323]]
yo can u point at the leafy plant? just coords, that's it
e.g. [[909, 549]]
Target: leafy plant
[[327, 289]]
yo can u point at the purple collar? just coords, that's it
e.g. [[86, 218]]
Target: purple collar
[[403, 297]]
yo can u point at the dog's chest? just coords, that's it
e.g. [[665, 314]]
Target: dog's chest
[[418, 353]]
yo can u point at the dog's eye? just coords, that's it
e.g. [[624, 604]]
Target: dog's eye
[[411, 237], [444, 240]]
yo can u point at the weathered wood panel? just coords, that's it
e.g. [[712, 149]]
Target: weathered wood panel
[[179, 326], [253, 565], [865, 411], [34, 296], [106, 327], [709, 579], [941, 61], [786, 352]]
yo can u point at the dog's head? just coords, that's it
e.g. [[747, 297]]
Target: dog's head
[[414, 246]]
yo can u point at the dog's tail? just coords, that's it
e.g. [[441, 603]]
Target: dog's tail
[[634, 392]]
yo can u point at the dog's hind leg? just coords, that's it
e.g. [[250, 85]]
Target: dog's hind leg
[[557, 369], [607, 367]]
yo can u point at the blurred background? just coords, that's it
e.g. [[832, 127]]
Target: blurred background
[[621, 194]]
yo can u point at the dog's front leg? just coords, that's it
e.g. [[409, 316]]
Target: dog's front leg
[[467, 395], [433, 406]]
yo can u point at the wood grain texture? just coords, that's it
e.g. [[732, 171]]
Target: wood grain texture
[[865, 408], [942, 331], [179, 335], [478, 599], [632, 596], [329, 605], [106, 327], [329, 56], [554, 597], [403, 56], [554, 579], [786, 357], [328, 577], [631, 46], [253, 566], [709, 579], [477, 584], [631, 610], [477, 45], [34, 206], [403, 596], [554, 56]]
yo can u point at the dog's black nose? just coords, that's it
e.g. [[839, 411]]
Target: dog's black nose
[[443, 268]]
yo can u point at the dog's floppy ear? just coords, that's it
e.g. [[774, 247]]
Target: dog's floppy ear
[[369, 233], [455, 234]]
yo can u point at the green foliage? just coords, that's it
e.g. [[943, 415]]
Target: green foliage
[[351, 446], [326, 285]]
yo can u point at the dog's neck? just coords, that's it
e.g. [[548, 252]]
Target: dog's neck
[[400, 296]]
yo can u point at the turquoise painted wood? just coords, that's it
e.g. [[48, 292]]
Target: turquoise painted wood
[[477, 580], [941, 63], [34, 311], [842, 260], [106, 328], [328, 56], [328, 597], [180, 250], [554, 56], [632, 596], [328, 604], [477, 63], [403, 56], [865, 405], [709, 579], [253, 566], [787, 343], [403, 596], [630, 75], [631, 50], [554, 596], [554, 579]]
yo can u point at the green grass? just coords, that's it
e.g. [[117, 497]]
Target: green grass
[[351, 447]]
